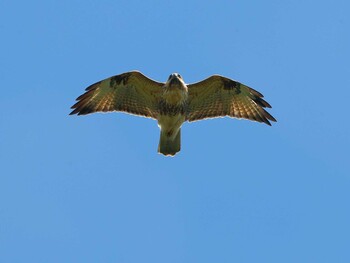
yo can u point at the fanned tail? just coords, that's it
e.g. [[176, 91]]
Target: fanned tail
[[167, 146]]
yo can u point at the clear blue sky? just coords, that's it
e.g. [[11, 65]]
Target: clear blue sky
[[94, 189]]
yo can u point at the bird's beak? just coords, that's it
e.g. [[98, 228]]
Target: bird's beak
[[174, 80]]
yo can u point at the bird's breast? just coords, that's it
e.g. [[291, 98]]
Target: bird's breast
[[168, 109], [174, 100], [175, 96]]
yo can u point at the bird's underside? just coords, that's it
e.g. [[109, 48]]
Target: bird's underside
[[173, 102]]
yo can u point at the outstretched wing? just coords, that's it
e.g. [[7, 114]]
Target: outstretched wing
[[130, 92], [218, 96]]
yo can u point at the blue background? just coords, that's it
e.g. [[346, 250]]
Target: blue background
[[94, 189]]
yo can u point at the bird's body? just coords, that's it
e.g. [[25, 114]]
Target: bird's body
[[172, 103], [172, 114]]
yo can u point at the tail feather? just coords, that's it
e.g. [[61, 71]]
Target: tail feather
[[169, 146]]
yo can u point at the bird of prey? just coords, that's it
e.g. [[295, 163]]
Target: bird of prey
[[173, 102]]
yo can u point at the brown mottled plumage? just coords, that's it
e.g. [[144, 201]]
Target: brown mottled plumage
[[173, 102], [218, 96], [130, 92]]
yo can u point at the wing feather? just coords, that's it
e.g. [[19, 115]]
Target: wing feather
[[218, 96], [130, 92]]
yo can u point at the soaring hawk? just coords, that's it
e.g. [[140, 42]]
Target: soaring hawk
[[174, 102]]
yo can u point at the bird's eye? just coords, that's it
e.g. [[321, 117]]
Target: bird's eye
[[170, 76], [179, 76]]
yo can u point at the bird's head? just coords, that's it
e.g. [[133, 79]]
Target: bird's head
[[175, 80]]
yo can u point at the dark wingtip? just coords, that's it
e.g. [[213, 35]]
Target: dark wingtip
[[271, 118], [266, 116], [261, 102], [266, 121], [256, 93], [93, 86], [75, 111], [266, 104]]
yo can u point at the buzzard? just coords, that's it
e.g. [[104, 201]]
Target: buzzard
[[174, 102]]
